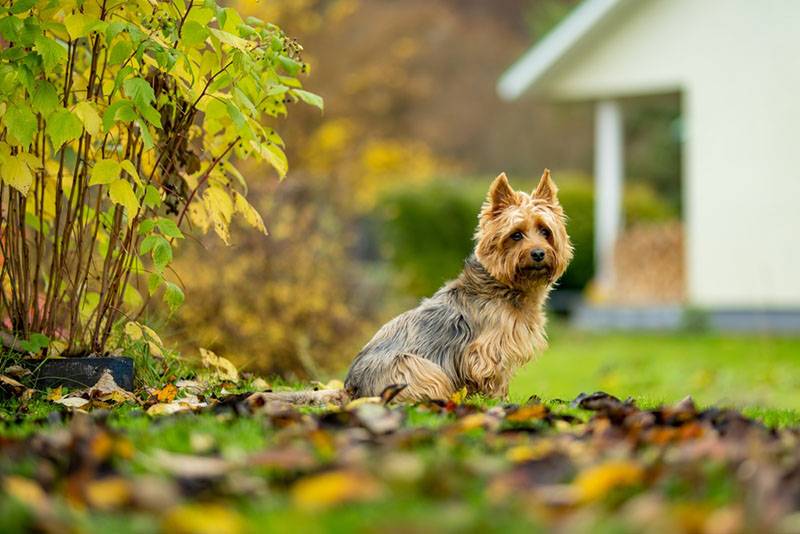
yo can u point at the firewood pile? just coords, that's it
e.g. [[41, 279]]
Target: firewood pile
[[649, 266]]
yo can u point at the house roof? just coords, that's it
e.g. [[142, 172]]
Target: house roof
[[529, 69]]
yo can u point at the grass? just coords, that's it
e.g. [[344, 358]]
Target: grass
[[757, 374]]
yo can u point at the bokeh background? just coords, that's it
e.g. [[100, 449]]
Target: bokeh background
[[381, 200]]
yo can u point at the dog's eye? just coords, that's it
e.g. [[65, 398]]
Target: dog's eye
[[517, 236], [545, 232]]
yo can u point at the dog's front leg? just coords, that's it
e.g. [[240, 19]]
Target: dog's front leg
[[480, 367]]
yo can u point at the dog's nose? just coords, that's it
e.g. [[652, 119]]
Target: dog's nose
[[537, 254]]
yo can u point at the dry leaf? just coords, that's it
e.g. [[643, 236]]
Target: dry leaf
[[334, 487], [167, 393], [203, 518], [72, 402], [108, 493], [596, 481]]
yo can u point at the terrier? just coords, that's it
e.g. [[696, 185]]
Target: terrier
[[478, 329]]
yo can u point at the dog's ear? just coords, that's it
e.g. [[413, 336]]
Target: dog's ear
[[546, 190], [501, 195]]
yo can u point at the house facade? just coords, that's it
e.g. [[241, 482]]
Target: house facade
[[736, 65]]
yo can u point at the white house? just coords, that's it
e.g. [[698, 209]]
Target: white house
[[736, 65]]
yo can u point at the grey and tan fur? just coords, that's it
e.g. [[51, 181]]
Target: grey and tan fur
[[478, 329]]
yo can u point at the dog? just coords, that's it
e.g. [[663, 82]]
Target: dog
[[478, 329]]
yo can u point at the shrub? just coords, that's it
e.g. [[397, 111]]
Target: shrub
[[427, 232], [120, 121]]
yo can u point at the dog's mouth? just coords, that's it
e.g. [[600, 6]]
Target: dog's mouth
[[536, 270]]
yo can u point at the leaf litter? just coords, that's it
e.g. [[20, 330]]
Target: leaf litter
[[667, 469]]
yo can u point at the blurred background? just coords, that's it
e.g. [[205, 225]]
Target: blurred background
[[426, 101]]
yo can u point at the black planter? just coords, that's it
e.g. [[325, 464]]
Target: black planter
[[83, 372]]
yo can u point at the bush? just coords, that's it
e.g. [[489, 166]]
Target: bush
[[119, 124], [426, 233]]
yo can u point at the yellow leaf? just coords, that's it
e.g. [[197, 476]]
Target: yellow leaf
[[17, 174], [108, 493], [206, 518], [595, 482], [332, 488], [122, 193], [251, 216], [459, 396], [26, 491], [133, 331], [88, 115], [222, 367], [128, 166]]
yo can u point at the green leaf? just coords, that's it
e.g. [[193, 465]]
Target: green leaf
[[121, 110], [52, 53], [153, 282], [169, 228], [87, 113], [20, 124], [122, 193], [310, 98], [152, 198], [138, 90], [120, 52], [149, 242], [173, 296], [45, 98], [150, 114], [193, 33], [17, 174], [146, 226], [104, 172], [162, 254], [21, 6], [11, 27], [63, 126]]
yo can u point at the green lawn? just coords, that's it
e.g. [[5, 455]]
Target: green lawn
[[760, 374]]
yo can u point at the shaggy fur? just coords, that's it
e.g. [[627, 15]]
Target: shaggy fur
[[478, 329]]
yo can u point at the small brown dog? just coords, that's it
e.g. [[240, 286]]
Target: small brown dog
[[478, 329]]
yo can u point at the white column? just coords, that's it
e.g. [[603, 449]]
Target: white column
[[609, 169]]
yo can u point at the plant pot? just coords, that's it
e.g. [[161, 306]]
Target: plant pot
[[83, 372]]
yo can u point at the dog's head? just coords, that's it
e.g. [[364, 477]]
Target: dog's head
[[522, 238]]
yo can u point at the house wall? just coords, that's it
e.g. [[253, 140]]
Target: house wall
[[737, 64]]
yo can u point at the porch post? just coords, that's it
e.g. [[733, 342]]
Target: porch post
[[609, 169]]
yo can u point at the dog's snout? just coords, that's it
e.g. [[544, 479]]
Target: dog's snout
[[537, 254]]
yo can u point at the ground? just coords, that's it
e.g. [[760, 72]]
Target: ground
[[591, 463]]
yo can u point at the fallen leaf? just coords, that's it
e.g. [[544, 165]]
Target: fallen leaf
[[459, 396], [334, 487], [72, 402], [108, 493], [106, 389], [333, 384], [597, 481], [204, 518], [529, 412], [16, 387], [378, 419], [191, 466], [167, 393], [190, 402]]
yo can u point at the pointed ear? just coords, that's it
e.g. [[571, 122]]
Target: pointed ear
[[501, 195], [546, 190]]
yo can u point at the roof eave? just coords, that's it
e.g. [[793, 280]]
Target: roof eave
[[530, 69]]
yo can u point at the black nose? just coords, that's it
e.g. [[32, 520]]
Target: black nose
[[537, 254]]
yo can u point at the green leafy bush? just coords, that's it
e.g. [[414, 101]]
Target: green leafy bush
[[427, 232], [119, 123]]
